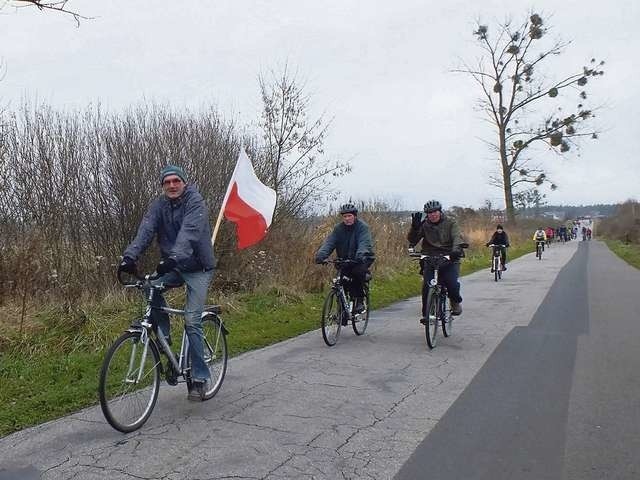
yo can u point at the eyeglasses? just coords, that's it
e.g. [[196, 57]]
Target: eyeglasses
[[172, 181]]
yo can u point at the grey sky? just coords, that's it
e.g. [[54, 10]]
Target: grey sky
[[380, 68]]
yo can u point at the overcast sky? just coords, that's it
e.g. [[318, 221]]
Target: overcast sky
[[380, 68]]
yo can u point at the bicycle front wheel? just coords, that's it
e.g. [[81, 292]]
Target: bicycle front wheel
[[445, 314], [214, 341], [496, 268], [431, 326], [331, 319], [129, 382], [361, 320]]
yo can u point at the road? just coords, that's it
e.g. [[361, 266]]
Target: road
[[538, 381]]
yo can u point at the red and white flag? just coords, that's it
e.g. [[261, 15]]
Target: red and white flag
[[249, 203]]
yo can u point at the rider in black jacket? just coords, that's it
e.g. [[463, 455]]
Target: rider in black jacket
[[500, 237]]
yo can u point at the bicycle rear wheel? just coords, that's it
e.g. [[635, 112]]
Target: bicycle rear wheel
[[361, 320], [214, 342], [331, 319], [445, 314], [129, 382], [431, 326]]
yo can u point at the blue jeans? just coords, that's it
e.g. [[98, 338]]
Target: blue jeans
[[197, 284]]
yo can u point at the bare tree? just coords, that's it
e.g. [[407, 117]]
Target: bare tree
[[512, 87], [55, 5], [295, 162]]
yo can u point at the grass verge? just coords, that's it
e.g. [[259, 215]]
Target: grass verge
[[629, 252], [54, 371]]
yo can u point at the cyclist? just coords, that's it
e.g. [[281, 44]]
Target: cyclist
[[439, 234], [540, 236], [180, 221], [588, 233], [500, 237], [351, 239], [562, 233], [549, 232]]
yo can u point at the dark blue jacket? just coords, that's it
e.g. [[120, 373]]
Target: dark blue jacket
[[350, 242], [182, 228]]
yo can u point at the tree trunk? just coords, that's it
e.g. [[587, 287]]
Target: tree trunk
[[506, 179]]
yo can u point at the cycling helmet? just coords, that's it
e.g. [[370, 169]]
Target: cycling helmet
[[348, 208], [432, 206]]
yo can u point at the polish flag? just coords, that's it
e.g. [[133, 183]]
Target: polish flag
[[249, 203]]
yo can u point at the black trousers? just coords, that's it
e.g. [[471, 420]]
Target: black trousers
[[447, 276], [358, 273]]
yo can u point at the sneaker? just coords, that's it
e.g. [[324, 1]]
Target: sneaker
[[492, 270], [424, 320], [197, 390], [456, 308], [504, 268]]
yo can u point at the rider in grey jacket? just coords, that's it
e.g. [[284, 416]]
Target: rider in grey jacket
[[180, 221]]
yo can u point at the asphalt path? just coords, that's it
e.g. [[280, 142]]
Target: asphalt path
[[367, 407], [559, 398]]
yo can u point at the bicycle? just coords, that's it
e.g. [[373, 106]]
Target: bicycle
[[338, 308], [438, 308], [496, 260], [132, 368], [539, 249]]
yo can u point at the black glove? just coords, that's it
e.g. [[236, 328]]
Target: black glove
[[455, 255], [165, 266], [321, 261], [416, 220], [128, 265], [487, 244]]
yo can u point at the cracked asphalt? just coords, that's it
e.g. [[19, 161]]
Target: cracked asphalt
[[299, 409]]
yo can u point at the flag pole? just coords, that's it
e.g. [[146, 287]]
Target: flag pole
[[224, 201]]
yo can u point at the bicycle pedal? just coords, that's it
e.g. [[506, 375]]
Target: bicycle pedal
[[170, 376]]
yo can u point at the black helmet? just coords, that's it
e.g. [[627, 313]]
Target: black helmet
[[348, 208], [432, 206]]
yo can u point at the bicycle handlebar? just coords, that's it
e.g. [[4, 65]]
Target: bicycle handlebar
[[420, 256], [496, 245], [340, 261], [141, 281]]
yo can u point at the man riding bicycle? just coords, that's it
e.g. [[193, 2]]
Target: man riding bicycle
[[440, 235], [540, 236], [180, 221], [500, 237], [351, 239]]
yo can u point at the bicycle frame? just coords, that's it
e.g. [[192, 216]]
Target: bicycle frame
[[179, 363], [338, 287]]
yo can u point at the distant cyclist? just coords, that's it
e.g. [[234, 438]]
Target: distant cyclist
[[549, 232], [540, 236], [500, 237], [351, 239], [562, 233]]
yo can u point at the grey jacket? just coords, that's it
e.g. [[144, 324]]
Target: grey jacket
[[183, 231], [350, 242]]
